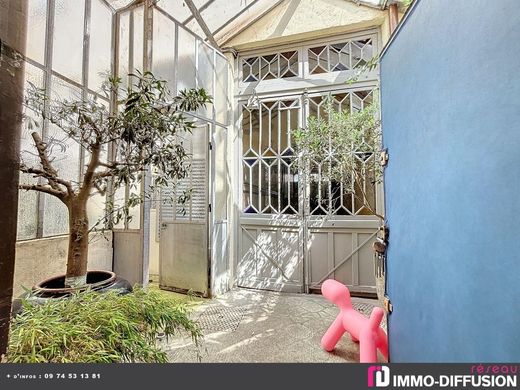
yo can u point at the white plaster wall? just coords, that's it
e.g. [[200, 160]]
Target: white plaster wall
[[37, 260], [295, 20], [154, 247]]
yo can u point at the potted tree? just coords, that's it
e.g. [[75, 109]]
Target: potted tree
[[120, 145], [355, 139]]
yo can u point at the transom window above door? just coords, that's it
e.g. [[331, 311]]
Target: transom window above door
[[310, 61], [340, 56], [268, 67]]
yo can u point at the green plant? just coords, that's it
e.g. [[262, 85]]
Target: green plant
[[98, 328], [345, 145], [120, 145]]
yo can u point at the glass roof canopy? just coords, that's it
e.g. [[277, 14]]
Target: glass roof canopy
[[216, 14], [222, 16]]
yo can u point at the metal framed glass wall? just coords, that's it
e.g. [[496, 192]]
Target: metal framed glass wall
[[177, 55], [69, 50]]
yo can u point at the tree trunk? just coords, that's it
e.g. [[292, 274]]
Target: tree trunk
[[78, 244], [13, 25]]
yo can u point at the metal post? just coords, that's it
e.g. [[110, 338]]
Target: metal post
[[13, 33], [147, 176]]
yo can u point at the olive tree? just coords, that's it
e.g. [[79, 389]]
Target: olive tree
[[144, 131], [343, 142]]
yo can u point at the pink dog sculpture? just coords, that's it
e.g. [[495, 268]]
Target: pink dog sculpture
[[365, 330]]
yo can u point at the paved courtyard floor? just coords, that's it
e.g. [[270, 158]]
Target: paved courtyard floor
[[249, 326]]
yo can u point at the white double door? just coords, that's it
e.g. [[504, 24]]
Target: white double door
[[294, 234]]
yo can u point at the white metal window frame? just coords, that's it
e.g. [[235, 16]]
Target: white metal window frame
[[268, 90], [260, 157], [48, 73], [276, 219], [195, 116], [305, 80], [199, 40]]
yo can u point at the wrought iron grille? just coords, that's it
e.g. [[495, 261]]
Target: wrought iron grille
[[271, 181], [329, 197], [272, 66], [269, 163], [340, 56]]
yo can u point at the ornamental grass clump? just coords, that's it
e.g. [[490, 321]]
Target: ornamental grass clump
[[99, 328]]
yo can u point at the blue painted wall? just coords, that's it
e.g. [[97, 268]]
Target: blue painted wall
[[450, 91]]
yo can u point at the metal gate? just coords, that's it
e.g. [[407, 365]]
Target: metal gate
[[184, 243], [292, 236]]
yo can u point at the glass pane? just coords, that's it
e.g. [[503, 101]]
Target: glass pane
[[318, 60], [176, 8], [96, 204], [288, 64], [119, 200], [219, 12], [288, 187], [186, 66], [255, 186], [28, 153], [100, 44], [250, 69], [269, 67], [124, 48], [275, 133], [135, 212], [37, 16], [96, 209], [221, 98], [247, 191], [65, 156], [205, 72], [68, 38], [246, 132], [55, 217], [64, 151], [361, 52], [163, 64], [138, 48], [221, 178], [28, 200]]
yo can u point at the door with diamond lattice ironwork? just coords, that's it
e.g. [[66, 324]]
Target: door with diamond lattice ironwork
[[296, 230], [271, 228], [295, 233]]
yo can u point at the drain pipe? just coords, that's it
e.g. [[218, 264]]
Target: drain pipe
[[394, 17], [13, 30]]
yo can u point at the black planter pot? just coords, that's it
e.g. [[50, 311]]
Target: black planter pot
[[53, 288]]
